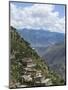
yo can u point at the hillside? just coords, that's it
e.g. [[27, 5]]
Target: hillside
[[54, 56], [27, 69]]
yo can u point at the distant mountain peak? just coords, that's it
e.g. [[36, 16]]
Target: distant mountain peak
[[44, 30]]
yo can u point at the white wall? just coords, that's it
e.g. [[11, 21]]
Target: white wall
[[4, 44]]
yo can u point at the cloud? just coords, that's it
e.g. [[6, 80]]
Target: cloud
[[37, 16]]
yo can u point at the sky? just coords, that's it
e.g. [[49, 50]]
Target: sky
[[49, 17]]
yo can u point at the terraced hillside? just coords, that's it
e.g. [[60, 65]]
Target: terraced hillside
[[27, 69]]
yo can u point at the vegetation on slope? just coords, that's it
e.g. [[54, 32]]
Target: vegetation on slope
[[20, 50]]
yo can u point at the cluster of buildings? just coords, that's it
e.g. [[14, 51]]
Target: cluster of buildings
[[31, 76]]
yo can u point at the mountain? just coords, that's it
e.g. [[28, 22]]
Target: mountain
[[48, 45], [55, 57], [27, 69], [41, 38]]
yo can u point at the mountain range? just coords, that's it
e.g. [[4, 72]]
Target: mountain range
[[41, 38]]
